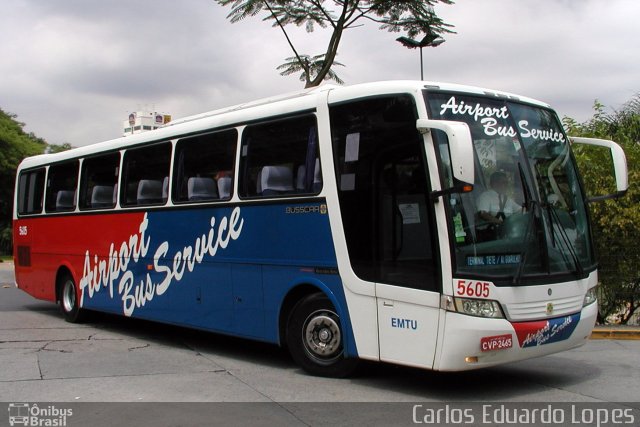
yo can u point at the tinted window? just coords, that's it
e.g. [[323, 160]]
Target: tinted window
[[383, 192], [31, 192], [99, 182], [146, 175], [62, 185], [204, 167], [281, 158]]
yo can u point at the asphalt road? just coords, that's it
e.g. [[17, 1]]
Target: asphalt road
[[112, 359]]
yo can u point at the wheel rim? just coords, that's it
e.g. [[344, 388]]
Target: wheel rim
[[68, 296], [322, 337]]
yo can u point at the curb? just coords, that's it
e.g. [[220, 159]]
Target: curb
[[615, 333]]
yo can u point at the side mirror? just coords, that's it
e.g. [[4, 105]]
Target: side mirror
[[460, 146], [619, 164]]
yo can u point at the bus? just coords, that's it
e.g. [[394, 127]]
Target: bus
[[339, 222]]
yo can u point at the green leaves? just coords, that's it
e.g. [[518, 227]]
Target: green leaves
[[308, 65], [242, 9], [412, 17], [615, 222]]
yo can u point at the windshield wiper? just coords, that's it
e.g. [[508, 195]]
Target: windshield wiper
[[528, 200], [530, 205], [525, 252], [556, 223]]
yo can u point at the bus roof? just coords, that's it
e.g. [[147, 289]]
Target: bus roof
[[266, 107]]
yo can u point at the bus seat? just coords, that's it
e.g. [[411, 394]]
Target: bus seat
[[201, 188], [317, 177], [65, 200], [102, 196], [149, 191], [224, 187], [300, 175], [165, 189], [259, 183], [276, 180]]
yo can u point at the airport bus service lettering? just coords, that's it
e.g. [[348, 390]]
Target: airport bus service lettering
[[488, 118], [106, 272]]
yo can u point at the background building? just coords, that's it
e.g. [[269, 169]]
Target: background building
[[142, 121]]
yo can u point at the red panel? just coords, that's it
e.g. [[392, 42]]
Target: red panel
[[57, 241]]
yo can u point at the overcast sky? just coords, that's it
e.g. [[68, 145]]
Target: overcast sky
[[73, 70]]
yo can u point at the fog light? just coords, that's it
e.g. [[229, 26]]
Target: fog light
[[590, 297], [471, 359]]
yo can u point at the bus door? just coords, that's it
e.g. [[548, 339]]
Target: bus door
[[388, 221], [406, 290]]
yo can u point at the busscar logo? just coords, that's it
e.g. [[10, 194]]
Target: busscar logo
[[307, 209], [27, 414]]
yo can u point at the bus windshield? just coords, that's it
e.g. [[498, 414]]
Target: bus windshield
[[526, 216]]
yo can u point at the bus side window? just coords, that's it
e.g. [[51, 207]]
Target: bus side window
[[280, 158], [62, 185], [144, 171], [99, 181], [204, 167], [31, 192]]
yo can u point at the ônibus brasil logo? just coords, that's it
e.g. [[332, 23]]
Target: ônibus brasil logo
[[28, 414]]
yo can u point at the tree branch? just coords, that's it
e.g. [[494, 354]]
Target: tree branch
[[332, 48], [322, 10], [304, 66], [413, 16]]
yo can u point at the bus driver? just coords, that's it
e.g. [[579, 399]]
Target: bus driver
[[494, 205]]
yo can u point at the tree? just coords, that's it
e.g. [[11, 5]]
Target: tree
[[414, 17], [15, 145], [615, 222], [54, 148]]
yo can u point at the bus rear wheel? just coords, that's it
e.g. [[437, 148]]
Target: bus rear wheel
[[315, 338], [68, 300]]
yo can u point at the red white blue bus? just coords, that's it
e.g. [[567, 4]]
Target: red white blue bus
[[341, 222]]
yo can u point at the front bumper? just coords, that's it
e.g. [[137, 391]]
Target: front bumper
[[462, 348]]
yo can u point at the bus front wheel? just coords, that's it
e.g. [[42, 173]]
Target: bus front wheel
[[68, 299], [315, 338]]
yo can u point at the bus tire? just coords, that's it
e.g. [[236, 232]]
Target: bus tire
[[68, 300], [315, 338]]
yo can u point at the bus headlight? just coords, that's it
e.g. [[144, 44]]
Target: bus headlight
[[590, 297], [473, 307]]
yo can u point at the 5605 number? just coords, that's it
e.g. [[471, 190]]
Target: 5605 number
[[473, 289]]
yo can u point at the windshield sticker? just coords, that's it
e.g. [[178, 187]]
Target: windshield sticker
[[352, 148], [490, 260], [533, 334], [495, 122]]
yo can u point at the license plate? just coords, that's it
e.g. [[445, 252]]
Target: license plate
[[498, 342]]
